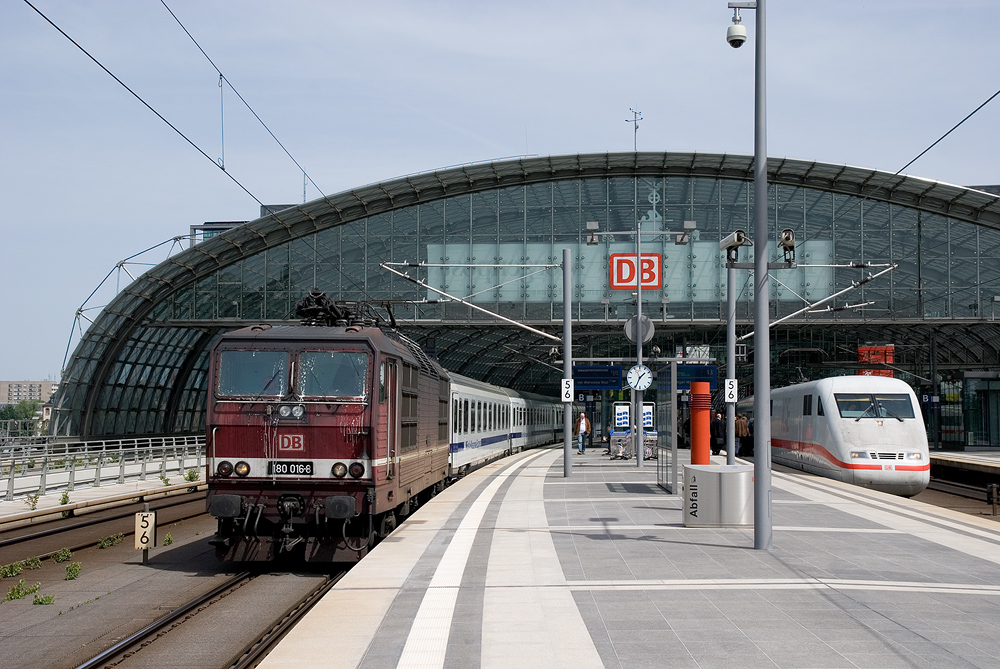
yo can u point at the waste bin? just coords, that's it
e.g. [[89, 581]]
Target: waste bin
[[718, 495]]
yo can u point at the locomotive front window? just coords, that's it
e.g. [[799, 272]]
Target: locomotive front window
[[879, 405], [253, 373], [332, 373]]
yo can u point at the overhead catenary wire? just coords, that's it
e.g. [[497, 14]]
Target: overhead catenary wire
[[140, 99], [222, 77]]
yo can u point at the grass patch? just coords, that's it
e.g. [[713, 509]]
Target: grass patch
[[109, 541], [20, 590], [73, 570]]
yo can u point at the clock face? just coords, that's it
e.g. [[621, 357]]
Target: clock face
[[639, 377]]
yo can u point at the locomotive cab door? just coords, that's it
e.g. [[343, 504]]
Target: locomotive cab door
[[390, 385]]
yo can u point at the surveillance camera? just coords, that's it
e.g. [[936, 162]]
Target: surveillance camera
[[787, 239], [734, 240], [736, 35]]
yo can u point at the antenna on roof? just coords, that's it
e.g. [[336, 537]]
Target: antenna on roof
[[636, 117]]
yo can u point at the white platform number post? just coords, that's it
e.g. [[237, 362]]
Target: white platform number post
[[567, 390], [145, 532], [731, 391]]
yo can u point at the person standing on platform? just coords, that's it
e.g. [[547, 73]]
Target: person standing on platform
[[742, 428], [581, 428], [717, 430]]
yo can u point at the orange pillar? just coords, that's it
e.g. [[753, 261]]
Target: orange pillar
[[701, 418]]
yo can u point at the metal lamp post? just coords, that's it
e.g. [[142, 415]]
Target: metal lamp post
[[762, 348]]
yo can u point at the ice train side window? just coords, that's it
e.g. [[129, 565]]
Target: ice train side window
[[819, 406], [807, 405]]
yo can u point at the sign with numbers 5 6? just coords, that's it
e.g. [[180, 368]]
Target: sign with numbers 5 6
[[567, 390], [145, 530], [731, 390]]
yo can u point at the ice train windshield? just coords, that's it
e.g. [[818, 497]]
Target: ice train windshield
[[877, 405]]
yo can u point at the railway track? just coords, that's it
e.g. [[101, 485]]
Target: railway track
[[165, 637]]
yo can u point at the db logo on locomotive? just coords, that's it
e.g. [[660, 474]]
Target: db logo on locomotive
[[291, 442]]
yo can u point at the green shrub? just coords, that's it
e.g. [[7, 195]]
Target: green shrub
[[31, 501], [62, 555], [73, 570], [19, 590], [165, 479], [167, 540], [12, 569], [33, 563], [192, 475], [64, 498], [109, 541], [43, 599]]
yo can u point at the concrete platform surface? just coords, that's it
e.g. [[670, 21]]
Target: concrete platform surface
[[516, 566]]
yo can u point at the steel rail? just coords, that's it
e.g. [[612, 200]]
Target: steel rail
[[257, 650], [135, 639]]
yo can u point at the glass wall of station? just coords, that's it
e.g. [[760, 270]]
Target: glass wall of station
[[947, 269]]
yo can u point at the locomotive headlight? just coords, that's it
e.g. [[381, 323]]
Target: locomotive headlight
[[298, 411], [242, 468], [915, 456], [339, 470], [225, 468], [284, 411], [859, 454], [357, 470]]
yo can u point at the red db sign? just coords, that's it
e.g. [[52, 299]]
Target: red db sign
[[623, 270], [291, 442]]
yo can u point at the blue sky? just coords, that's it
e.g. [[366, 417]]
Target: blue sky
[[363, 92]]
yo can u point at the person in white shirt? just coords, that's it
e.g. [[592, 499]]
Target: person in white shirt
[[581, 428]]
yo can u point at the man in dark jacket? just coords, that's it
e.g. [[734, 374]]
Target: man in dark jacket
[[717, 430]]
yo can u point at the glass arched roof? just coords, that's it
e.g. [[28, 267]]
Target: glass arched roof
[[141, 367]]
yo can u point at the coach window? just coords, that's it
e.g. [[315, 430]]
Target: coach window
[[807, 405], [465, 417], [819, 406]]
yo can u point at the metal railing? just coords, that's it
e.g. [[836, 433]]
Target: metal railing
[[36, 465], [18, 429]]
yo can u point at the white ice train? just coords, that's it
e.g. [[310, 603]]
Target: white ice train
[[865, 430], [488, 421]]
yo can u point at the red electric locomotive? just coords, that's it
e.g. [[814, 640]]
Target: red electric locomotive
[[320, 438]]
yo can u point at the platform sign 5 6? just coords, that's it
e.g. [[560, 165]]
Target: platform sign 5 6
[[145, 530], [623, 270]]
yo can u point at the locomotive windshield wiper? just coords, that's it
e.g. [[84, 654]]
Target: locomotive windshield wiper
[[268, 384], [870, 407], [890, 414]]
